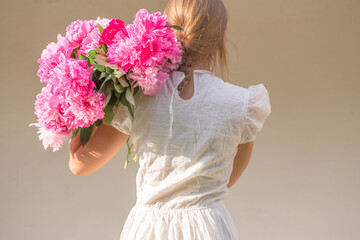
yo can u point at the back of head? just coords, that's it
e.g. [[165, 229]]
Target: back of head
[[203, 39]]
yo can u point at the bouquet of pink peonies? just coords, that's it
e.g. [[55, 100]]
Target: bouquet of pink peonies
[[97, 65]]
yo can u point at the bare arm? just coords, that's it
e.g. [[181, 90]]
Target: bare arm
[[104, 143], [241, 161]]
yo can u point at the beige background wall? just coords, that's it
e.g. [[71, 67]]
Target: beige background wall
[[303, 179]]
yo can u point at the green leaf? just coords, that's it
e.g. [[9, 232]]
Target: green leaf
[[103, 75], [177, 27], [99, 67], [92, 61], [104, 47], [75, 132], [118, 87], [108, 96], [92, 53], [74, 52], [81, 56], [118, 74], [135, 157], [109, 115], [123, 82], [113, 77], [101, 29], [128, 152], [117, 103], [136, 90], [113, 99], [98, 122], [129, 96], [118, 98], [108, 77], [124, 101], [104, 86], [100, 50], [96, 75], [169, 61], [130, 110], [117, 94], [108, 70], [85, 134]]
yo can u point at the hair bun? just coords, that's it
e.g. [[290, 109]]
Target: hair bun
[[203, 38]]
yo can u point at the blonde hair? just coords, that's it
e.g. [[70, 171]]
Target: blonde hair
[[204, 23]]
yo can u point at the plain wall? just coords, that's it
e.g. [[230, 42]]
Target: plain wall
[[303, 179]]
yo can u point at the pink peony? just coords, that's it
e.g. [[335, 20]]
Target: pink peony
[[92, 39], [85, 34], [49, 110], [49, 138], [78, 30], [146, 51], [104, 22], [115, 26], [151, 79], [68, 102], [84, 105], [90, 42], [52, 56]]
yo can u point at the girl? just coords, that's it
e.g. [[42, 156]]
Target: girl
[[194, 138]]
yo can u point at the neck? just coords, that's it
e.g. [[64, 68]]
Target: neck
[[205, 65]]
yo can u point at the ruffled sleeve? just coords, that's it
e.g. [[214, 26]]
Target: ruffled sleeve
[[122, 119], [258, 109]]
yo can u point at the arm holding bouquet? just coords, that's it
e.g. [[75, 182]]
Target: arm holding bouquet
[[104, 143]]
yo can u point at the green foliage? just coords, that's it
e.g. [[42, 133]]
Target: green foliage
[[108, 70], [98, 122], [118, 98], [108, 78], [74, 53], [118, 91], [123, 99], [75, 132], [81, 56], [109, 95], [109, 115], [85, 134], [104, 85], [136, 90], [118, 74], [118, 87], [128, 152], [177, 27], [101, 29], [104, 47], [100, 50], [103, 75], [130, 110], [129, 96], [129, 148], [135, 157], [99, 67], [123, 82], [92, 53]]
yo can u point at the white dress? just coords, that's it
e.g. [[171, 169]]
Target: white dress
[[186, 150]]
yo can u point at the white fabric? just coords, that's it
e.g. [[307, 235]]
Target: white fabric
[[186, 150]]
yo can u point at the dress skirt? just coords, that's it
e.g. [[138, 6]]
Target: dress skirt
[[193, 223]]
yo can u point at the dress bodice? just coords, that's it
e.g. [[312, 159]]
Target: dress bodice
[[186, 147]]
